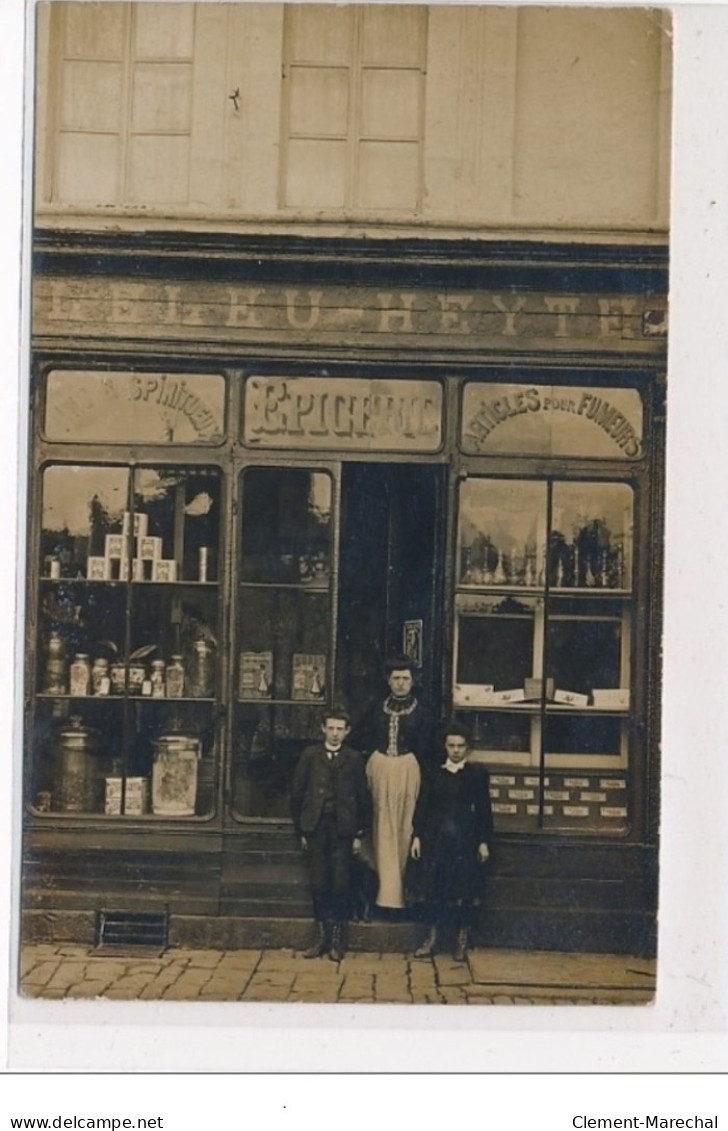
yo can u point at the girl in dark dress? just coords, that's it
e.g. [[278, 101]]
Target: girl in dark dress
[[453, 827]]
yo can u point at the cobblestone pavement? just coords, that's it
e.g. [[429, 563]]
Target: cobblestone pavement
[[57, 970]]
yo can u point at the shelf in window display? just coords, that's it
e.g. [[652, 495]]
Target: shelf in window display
[[265, 701], [135, 698], [540, 590], [117, 581], [301, 586], [534, 708]]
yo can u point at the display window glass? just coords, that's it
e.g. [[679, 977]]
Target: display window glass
[[543, 639], [127, 654], [284, 656]]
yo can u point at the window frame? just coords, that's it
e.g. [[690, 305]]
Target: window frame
[[356, 68]]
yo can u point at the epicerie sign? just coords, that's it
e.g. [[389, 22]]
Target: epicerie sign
[[354, 414]]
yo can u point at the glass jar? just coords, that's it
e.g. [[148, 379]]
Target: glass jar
[[54, 678], [157, 679], [201, 681], [137, 674], [175, 678], [80, 673], [76, 772], [100, 682], [118, 678]]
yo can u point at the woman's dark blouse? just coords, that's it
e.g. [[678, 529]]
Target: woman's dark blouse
[[372, 732]]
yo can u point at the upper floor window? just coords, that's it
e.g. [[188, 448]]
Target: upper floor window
[[353, 107], [123, 115]]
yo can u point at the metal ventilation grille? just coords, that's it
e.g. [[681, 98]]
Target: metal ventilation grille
[[132, 929]]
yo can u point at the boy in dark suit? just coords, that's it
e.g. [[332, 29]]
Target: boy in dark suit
[[330, 807], [453, 827]]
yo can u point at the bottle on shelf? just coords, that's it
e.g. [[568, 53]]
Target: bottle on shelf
[[80, 675], [175, 678], [54, 676], [158, 679], [100, 681], [201, 676]]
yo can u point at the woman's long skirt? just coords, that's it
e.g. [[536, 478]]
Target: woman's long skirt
[[394, 785]]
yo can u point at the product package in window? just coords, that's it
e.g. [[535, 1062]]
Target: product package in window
[[309, 676], [256, 675]]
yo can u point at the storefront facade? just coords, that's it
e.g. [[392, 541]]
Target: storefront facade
[[284, 424], [319, 476]]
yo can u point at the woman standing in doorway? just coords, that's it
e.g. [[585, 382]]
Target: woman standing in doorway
[[393, 734]]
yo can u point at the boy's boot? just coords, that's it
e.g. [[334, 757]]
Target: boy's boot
[[460, 954], [336, 950], [426, 949], [319, 945]]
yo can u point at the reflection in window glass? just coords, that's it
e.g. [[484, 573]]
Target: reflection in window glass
[[590, 545], [502, 532], [584, 654], [495, 650], [578, 734], [506, 732], [287, 526]]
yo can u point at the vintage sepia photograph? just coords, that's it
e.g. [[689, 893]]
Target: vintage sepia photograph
[[345, 481]]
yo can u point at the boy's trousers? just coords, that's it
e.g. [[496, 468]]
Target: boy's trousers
[[329, 861]]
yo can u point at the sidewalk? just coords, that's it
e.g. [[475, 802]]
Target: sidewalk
[[490, 977]]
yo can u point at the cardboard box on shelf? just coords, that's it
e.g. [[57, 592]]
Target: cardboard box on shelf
[[141, 524], [116, 546], [532, 688], [164, 569], [136, 802], [98, 569], [571, 698], [150, 548], [613, 698]]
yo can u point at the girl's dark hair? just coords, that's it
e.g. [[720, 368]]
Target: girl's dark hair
[[455, 729]]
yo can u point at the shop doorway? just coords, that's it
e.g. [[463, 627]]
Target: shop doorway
[[390, 576]]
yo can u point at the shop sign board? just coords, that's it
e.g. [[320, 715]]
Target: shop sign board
[[552, 420], [354, 316], [343, 414], [91, 406]]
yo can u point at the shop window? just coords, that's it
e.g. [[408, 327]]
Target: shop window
[[353, 107], [542, 666], [284, 630], [127, 654], [123, 107]]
